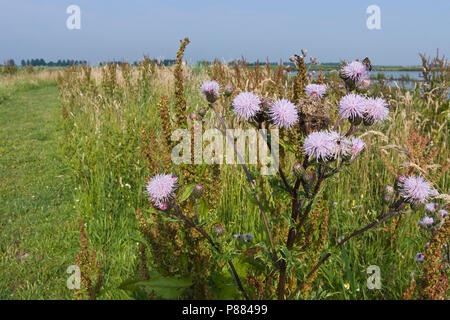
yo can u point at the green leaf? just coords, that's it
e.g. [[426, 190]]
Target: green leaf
[[223, 287], [203, 208], [153, 210], [286, 146], [164, 287], [186, 193]]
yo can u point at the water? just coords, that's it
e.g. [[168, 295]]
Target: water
[[402, 79], [398, 75]]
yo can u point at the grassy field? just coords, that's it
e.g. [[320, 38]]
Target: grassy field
[[80, 150], [38, 230]]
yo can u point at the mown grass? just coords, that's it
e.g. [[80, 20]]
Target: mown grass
[[38, 230]]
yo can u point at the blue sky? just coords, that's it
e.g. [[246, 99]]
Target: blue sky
[[228, 29]]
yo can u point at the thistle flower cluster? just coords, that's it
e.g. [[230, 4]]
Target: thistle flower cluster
[[355, 107], [246, 237], [415, 189], [433, 217], [161, 189], [355, 70], [431, 207], [426, 221], [329, 145], [316, 91], [375, 109], [211, 91], [431, 223], [283, 113], [246, 105], [352, 106]]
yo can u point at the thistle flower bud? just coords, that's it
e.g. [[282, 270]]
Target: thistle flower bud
[[442, 213], [356, 121], [238, 236], [198, 191], [228, 90], [298, 170], [218, 230], [211, 91], [388, 192], [365, 83], [420, 257], [368, 121], [308, 177], [399, 181], [243, 237], [193, 116], [201, 113], [163, 206]]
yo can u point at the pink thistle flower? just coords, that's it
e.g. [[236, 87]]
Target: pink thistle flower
[[443, 213], [420, 257], [415, 189], [161, 188], [316, 90], [375, 109], [365, 83], [320, 145], [431, 207], [228, 90], [355, 70], [341, 144], [283, 113], [352, 106], [246, 105], [356, 146], [211, 90], [426, 221]]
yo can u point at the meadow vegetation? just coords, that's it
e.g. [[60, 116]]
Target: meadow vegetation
[[115, 124]]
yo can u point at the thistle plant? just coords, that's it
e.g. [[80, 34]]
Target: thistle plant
[[325, 154], [216, 231]]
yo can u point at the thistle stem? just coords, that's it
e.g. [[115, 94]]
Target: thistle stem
[[202, 231], [249, 180]]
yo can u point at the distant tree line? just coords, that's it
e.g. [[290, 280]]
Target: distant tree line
[[165, 62], [9, 67], [59, 63]]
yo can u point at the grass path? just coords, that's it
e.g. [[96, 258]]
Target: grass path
[[38, 224]]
